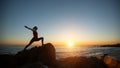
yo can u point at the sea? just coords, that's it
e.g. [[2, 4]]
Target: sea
[[65, 51]]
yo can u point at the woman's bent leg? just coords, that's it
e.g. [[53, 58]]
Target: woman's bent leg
[[42, 40]]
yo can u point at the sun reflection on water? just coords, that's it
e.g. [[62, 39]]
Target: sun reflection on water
[[66, 51]]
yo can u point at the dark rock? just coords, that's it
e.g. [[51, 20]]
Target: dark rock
[[7, 61], [45, 54], [111, 62], [34, 65], [82, 62]]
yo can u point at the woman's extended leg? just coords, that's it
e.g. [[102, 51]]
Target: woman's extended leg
[[42, 40], [31, 41]]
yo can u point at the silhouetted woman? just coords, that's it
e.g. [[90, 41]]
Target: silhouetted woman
[[35, 36]]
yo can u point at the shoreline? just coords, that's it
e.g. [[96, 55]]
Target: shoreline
[[45, 57]]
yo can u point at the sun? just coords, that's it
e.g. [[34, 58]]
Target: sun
[[70, 43]]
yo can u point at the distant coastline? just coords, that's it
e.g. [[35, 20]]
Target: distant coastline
[[111, 45]]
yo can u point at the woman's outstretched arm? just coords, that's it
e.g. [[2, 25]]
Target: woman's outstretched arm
[[28, 28]]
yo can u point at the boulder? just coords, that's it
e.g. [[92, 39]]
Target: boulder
[[44, 54], [111, 62]]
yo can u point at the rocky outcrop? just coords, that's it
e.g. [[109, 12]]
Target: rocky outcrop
[[37, 57], [44, 54]]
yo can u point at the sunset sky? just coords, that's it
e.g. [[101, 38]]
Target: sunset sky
[[84, 22]]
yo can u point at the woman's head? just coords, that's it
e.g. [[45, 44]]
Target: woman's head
[[35, 28]]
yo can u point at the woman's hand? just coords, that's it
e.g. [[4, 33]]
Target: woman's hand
[[25, 26]]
